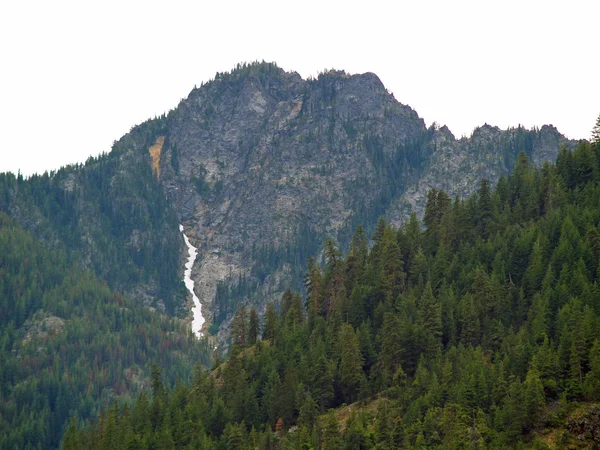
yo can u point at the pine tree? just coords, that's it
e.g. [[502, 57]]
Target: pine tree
[[286, 302], [72, 438], [596, 131], [335, 297], [312, 284], [156, 381], [391, 351], [351, 363], [430, 220], [393, 278], [535, 398], [294, 316], [270, 326], [419, 269], [470, 324], [384, 433], [270, 401], [309, 412], [591, 386], [357, 259], [239, 330], [253, 327], [430, 321], [111, 439], [331, 433], [413, 234], [484, 208], [233, 437], [438, 203], [322, 383]]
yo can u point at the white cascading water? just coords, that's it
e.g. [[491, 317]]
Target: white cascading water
[[198, 320]]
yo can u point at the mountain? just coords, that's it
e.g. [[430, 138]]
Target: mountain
[[480, 330], [260, 166]]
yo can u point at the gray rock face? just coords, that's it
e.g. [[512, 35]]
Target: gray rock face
[[263, 155], [278, 153], [260, 165], [457, 166]]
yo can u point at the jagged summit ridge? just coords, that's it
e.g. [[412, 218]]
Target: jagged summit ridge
[[280, 156], [260, 166]]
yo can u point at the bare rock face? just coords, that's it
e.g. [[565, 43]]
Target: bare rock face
[[41, 325], [261, 165], [264, 156], [457, 166]]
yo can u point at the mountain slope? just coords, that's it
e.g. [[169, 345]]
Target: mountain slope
[[260, 166], [268, 165], [481, 330], [110, 215], [69, 345]]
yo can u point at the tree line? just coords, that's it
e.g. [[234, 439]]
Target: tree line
[[477, 328]]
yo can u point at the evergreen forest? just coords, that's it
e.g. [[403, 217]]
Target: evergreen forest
[[69, 344], [477, 328]]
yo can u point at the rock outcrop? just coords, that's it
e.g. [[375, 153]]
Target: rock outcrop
[[260, 166], [263, 165]]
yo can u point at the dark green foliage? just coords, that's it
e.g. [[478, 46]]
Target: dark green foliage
[[253, 326], [461, 334], [111, 213], [596, 132], [200, 183], [68, 345]]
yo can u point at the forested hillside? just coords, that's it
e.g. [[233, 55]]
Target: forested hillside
[[69, 345], [480, 330], [109, 215], [260, 166]]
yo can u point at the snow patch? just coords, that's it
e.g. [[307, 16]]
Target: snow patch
[[198, 320]]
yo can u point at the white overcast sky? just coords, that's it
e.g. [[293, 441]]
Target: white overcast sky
[[75, 76]]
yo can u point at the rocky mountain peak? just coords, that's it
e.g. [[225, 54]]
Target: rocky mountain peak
[[260, 166], [269, 164]]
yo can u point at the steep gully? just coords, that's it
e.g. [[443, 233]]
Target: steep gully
[[198, 319]]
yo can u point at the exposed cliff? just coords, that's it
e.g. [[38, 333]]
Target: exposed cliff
[[263, 165], [260, 165], [456, 166]]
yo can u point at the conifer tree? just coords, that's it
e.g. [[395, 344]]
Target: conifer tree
[[430, 321], [239, 330], [350, 363], [72, 438], [309, 412], [253, 327], [312, 284], [384, 433], [484, 208], [535, 398], [596, 131], [335, 297], [322, 382], [391, 351], [393, 278], [297, 308], [357, 258], [413, 234], [270, 326], [419, 269], [286, 302], [591, 385], [331, 432]]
